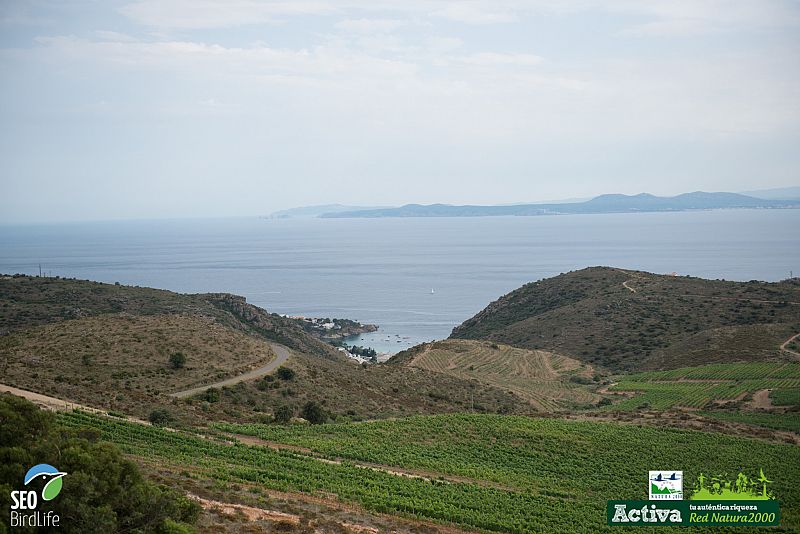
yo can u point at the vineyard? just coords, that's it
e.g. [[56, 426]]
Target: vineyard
[[553, 475], [778, 421], [724, 371], [786, 397], [696, 387], [573, 466], [541, 377]]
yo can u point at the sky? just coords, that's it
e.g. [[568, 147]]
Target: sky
[[202, 108]]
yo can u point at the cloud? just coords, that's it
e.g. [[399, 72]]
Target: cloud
[[694, 17], [111, 36], [369, 25], [473, 13], [496, 59], [199, 14], [677, 17]]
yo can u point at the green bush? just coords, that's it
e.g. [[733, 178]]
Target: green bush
[[284, 413], [210, 395], [285, 373], [177, 360], [313, 413], [160, 417]]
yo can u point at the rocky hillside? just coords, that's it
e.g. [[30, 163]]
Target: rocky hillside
[[27, 301]]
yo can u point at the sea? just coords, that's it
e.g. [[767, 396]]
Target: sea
[[415, 278]]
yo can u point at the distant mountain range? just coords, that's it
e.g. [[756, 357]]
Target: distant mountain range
[[781, 193], [315, 211], [614, 203]]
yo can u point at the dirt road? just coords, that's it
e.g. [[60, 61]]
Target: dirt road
[[785, 345], [51, 403], [281, 355]]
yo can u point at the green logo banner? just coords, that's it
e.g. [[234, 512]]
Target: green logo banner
[[754, 513]]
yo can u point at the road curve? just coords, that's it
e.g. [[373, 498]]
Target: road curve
[[281, 355], [785, 345]]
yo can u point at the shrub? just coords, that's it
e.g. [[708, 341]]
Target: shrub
[[577, 379], [160, 417], [265, 383], [284, 414], [285, 373], [210, 395], [313, 413], [177, 360]]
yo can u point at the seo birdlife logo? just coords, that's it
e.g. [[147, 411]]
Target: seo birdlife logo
[[24, 503]]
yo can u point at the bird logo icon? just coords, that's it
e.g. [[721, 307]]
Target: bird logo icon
[[49, 473]]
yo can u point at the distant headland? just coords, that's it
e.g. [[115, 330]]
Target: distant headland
[[612, 203]]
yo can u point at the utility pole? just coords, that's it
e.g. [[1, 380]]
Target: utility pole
[[40, 270]]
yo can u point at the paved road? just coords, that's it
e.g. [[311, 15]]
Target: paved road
[[281, 355]]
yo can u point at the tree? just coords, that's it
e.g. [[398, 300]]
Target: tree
[[285, 373], [160, 417], [105, 492], [313, 413], [177, 360], [284, 414], [211, 395]]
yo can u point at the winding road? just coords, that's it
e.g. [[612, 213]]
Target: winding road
[[281, 355], [785, 345]]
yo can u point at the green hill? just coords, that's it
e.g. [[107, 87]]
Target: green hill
[[627, 320]]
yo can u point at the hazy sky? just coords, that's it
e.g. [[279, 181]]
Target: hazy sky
[[173, 108]]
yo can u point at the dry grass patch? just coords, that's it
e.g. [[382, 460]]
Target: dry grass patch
[[116, 361]]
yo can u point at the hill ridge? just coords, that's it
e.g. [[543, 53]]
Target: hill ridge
[[607, 203], [626, 319]]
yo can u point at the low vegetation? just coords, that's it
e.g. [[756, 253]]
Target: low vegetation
[[347, 390], [777, 421], [28, 301], [127, 363]]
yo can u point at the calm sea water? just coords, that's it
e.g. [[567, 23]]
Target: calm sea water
[[382, 271]]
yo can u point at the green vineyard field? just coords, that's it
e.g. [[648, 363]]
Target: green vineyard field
[[696, 387], [786, 397]]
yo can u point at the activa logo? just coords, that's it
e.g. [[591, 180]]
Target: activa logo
[[652, 513], [28, 500]]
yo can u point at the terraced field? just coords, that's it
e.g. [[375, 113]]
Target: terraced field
[[698, 387], [548, 381]]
